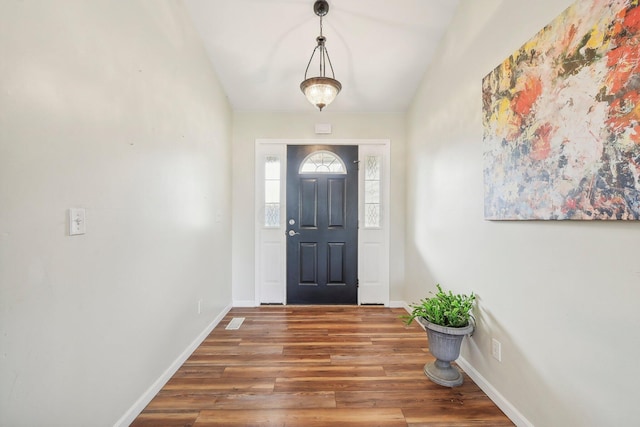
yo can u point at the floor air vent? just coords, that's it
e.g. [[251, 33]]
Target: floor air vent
[[235, 323]]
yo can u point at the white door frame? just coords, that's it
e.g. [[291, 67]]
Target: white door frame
[[373, 243]]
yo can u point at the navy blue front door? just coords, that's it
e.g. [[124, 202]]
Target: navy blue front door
[[322, 225]]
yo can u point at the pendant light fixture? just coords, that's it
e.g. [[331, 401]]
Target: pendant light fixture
[[320, 90]]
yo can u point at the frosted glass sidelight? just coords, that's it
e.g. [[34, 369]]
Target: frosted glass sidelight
[[372, 215], [323, 162], [372, 191], [372, 198], [272, 192], [272, 215], [372, 168], [272, 168]]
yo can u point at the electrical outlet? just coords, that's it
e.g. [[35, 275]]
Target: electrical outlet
[[200, 306], [496, 349]]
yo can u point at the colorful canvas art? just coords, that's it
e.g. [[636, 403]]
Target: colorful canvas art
[[562, 119]]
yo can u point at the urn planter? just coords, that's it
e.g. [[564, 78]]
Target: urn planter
[[447, 319], [444, 345]]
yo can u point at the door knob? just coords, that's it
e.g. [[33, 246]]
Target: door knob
[[292, 233]]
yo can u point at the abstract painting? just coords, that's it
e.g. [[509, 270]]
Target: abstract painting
[[561, 119]]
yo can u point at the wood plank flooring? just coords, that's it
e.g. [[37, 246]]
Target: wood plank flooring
[[315, 366]]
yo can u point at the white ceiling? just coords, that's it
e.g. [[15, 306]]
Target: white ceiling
[[380, 49]]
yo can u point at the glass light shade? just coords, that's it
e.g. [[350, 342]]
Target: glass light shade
[[320, 91]]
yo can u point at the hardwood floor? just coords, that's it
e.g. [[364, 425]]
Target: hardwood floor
[[315, 366]]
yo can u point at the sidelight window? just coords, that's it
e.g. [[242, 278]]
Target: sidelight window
[[272, 191], [372, 200]]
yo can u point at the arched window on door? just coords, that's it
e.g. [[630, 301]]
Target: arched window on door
[[322, 162]]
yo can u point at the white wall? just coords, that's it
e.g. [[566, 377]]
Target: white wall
[[249, 126], [560, 296], [112, 107]]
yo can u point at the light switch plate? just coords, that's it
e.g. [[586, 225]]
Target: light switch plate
[[77, 223]]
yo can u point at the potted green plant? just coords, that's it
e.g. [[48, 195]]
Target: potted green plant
[[447, 318]]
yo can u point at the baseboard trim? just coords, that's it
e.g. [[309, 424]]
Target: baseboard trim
[[497, 398], [398, 304], [244, 303], [148, 395]]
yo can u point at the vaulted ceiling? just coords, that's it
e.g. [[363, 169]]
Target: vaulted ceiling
[[380, 49]]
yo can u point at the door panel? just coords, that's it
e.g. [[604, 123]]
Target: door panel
[[322, 233], [308, 203], [337, 202], [309, 263], [336, 263]]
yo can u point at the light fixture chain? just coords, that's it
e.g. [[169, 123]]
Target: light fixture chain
[[322, 67], [323, 50]]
